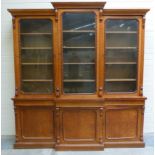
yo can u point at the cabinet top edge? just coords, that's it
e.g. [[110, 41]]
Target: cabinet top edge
[[51, 12], [134, 12], [32, 12], [78, 5]]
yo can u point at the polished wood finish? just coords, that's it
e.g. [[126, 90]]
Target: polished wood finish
[[125, 12], [78, 121], [31, 12], [31, 129], [46, 12], [78, 5]]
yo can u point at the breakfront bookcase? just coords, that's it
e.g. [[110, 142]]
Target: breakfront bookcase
[[78, 76]]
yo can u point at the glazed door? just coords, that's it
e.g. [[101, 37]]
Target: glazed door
[[121, 55], [36, 56], [79, 53]]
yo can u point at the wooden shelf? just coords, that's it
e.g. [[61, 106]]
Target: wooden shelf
[[77, 47], [79, 80], [120, 63], [121, 32], [119, 80], [37, 63], [121, 48], [79, 63], [78, 31], [37, 80], [35, 33], [35, 48]]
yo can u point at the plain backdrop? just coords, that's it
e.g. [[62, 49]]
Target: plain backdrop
[[8, 80]]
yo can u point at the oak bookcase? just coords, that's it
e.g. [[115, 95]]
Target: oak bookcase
[[78, 76]]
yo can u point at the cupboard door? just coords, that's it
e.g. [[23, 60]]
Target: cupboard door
[[36, 55], [121, 52], [79, 125], [79, 52], [41, 120]]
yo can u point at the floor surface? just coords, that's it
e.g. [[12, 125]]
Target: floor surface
[[7, 149]]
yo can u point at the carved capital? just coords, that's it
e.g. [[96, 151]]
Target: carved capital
[[100, 91], [143, 108], [101, 111], [57, 111], [141, 137], [58, 140], [141, 91], [100, 14], [56, 15], [16, 91], [57, 92], [100, 140]]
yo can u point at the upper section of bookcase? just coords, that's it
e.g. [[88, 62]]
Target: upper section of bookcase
[[77, 5]]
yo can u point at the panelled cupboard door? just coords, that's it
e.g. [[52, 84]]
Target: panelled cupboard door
[[121, 49], [36, 55], [80, 126], [79, 73]]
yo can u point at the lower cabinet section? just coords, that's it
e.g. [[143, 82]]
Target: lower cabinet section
[[123, 126], [79, 128], [34, 127]]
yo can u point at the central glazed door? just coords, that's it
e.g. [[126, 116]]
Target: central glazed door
[[79, 53]]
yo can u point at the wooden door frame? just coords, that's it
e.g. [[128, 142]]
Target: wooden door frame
[[60, 53], [17, 56], [139, 56]]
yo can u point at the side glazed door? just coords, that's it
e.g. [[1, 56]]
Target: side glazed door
[[121, 55], [36, 70]]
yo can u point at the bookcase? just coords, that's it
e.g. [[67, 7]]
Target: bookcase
[[78, 76]]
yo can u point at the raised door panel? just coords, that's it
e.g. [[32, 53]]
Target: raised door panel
[[79, 125], [37, 123], [121, 124]]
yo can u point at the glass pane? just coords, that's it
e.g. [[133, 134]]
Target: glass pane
[[79, 87], [123, 55], [120, 86], [36, 55], [121, 48], [79, 21], [120, 71], [79, 53], [79, 71], [79, 39], [35, 26], [32, 40], [121, 40], [121, 25]]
